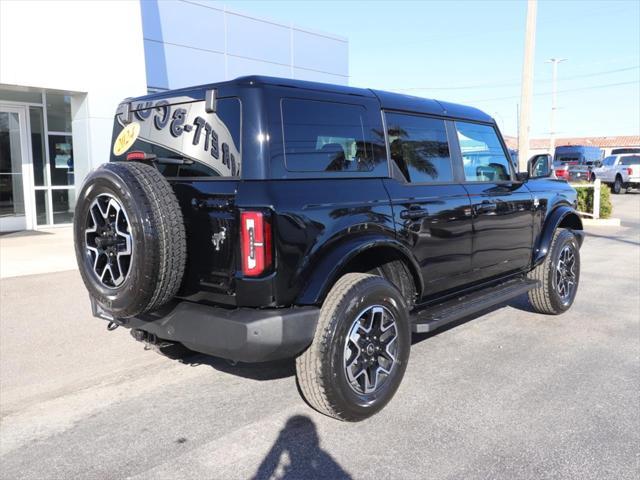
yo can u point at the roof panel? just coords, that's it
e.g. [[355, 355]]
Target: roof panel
[[388, 100]]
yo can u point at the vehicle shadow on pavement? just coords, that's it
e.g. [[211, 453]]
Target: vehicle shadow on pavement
[[286, 368], [254, 371], [520, 302], [296, 454]]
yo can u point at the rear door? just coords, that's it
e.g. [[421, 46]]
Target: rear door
[[430, 207], [198, 150], [502, 207]]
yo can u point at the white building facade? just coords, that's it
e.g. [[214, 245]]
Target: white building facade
[[59, 86]]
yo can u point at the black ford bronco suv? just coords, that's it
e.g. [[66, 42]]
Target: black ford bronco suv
[[265, 218]]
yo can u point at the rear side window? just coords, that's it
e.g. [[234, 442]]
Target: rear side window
[[419, 147], [630, 161], [324, 136], [483, 157]]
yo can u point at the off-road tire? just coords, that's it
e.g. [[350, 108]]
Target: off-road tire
[[158, 237], [544, 298], [320, 374]]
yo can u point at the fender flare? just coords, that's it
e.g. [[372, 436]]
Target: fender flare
[[327, 270], [560, 214]]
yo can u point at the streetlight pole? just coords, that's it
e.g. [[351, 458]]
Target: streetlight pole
[[554, 101], [527, 85]]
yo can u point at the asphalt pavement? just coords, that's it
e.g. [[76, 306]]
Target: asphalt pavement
[[509, 394]]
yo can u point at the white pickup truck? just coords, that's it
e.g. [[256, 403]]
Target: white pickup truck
[[621, 172]]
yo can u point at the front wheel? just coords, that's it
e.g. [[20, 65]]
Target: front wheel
[[559, 275], [360, 350]]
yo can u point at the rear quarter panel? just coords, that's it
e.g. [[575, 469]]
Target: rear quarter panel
[[313, 216]]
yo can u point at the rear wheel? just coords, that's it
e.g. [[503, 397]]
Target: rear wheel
[[360, 350], [559, 275], [618, 186]]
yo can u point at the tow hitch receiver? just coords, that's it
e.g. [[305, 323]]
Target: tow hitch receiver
[[150, 340]]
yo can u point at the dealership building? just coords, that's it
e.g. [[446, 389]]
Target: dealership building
[[61, 83]]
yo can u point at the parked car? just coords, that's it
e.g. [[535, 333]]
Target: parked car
[[579, 173], [602, 169], [265, 218], [621, 172], [575, 157]]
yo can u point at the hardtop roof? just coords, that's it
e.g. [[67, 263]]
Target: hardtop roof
[[388, 100]]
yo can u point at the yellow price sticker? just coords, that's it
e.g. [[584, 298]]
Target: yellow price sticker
[[126, 138]]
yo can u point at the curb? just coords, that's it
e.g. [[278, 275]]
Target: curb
[[601, 222]]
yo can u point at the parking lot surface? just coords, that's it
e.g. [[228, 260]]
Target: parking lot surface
[[509, 394]]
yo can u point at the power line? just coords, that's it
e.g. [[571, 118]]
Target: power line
[[499, 85], [592, 87]]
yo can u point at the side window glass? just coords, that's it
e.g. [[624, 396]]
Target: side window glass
[[633, 160], [483, 157], [328, 137], [419, 147]]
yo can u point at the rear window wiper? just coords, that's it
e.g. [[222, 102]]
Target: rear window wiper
[[152, 157]]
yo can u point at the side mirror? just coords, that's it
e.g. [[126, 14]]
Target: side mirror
[[540, 166]]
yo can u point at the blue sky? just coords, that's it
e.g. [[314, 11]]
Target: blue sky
[[471, 52]]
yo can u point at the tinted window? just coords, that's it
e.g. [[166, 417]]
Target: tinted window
[[482, 154], [419, 147], [609, 161], [327, 137], [630, 161]]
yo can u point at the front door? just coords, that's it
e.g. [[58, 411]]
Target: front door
[[502, 207], [431, 209], [14, 154]]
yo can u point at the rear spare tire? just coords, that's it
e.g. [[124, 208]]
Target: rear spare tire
[[129, 238]]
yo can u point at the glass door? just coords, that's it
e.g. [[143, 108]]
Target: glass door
[[13, 170]]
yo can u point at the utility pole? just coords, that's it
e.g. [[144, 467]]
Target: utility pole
[[527, 84], [554, 105]]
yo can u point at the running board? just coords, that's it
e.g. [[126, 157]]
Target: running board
[[441, 314]]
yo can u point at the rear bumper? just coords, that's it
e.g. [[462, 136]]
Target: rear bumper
[[241, 334], [633, 181]]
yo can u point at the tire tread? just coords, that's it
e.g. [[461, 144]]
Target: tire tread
[[540, 297], [309, 364]]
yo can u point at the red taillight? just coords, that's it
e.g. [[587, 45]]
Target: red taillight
[[255, 237], [136, 156], [561, 173], [629, 171]]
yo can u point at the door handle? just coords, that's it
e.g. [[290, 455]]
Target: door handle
[[413, 213], [486, 207]]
